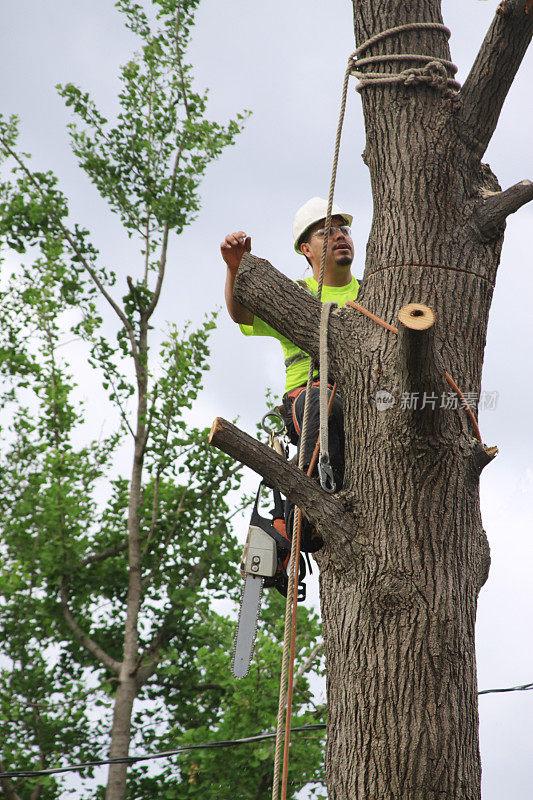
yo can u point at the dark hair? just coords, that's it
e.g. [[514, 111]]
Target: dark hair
[[304, 238]]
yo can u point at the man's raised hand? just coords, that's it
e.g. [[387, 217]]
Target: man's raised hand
[[233, 248]]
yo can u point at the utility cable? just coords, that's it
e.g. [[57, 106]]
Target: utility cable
[[260, 737]]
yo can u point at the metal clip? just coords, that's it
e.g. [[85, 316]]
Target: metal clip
[[325, 473]]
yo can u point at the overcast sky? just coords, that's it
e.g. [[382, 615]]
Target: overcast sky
[[285, 61]]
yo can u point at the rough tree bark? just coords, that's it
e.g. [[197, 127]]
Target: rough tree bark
[[404, 561]]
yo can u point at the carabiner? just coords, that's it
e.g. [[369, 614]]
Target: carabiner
[[325, 473], [274, 430]]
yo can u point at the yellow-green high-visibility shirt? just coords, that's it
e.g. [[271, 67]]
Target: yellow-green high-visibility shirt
[[296, 361]]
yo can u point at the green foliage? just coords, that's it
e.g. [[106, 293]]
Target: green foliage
[[149, 165], [227, 709], [120, 497]]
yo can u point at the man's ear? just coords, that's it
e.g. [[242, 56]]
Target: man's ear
[[306, 250]]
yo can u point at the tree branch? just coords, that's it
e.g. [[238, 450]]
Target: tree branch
[[36, 792], [324, 510], [280, 302], [7, 786], [207, 488], [91, 271], [307, 663], [83, 638], [166, 231], [493, 71], [483, 455], [103, 554], [492, 210], [165, 630]]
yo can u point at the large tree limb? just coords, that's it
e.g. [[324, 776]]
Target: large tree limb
[[494, 69], [491, 212], [280, 302], [290, 309], [325, 511]]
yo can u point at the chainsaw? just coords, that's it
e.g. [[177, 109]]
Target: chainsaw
[[264, 564]]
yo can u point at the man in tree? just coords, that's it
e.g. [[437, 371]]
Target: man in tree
[[339, 286]]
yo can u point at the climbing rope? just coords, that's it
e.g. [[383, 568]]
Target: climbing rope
[[325, 472], [285, 694], [289, 635], [434, 73]]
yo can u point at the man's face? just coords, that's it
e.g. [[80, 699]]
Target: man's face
[[340, 246]]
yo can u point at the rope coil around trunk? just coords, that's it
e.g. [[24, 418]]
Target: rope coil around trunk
[[435, 71]]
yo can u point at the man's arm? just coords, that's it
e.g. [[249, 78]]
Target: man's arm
[[233, 248]]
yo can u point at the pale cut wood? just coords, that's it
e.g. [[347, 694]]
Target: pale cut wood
[[416, 316]]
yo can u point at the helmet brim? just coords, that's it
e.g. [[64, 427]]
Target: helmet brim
[[348, 218]]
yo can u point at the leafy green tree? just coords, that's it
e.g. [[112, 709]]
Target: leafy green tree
[[109, 572]]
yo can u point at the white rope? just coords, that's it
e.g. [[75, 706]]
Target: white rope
[[325, 471]]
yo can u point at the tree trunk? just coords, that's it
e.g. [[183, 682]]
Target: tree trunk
[[128, 686], [121, 736], [399, 609]]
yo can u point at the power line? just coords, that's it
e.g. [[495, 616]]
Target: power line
[[526, 687], [260, 737], [165, 754]]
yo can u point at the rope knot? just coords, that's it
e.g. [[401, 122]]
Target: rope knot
[[433, 74]]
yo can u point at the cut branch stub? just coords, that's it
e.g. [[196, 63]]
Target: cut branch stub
[[323, 510], [491, 212], [420, 374], [483, 455]]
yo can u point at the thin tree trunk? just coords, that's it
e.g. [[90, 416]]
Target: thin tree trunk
[[128, 684]]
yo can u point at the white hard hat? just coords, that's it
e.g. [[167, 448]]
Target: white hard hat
[[311, 212]]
